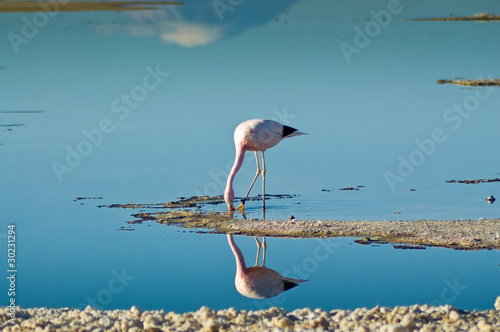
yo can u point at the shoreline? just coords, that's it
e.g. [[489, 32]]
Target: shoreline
[[482, 234], [470, 234], [399, 318]]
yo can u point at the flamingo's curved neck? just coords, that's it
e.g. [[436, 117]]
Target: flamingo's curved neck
[[240, 260], [238, 161]]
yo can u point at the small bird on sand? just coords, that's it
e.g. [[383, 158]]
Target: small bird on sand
[[258, 282], [255, 135]]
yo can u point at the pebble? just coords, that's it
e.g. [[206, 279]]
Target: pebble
[[384, 319], [454, 316]]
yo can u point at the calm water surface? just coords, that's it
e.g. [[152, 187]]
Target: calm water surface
[[140, 107]]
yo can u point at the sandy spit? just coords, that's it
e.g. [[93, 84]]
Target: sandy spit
[[478, 82], [404, 318], [456, 234], [406, 234]]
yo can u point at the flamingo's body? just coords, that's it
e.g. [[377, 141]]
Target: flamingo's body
[[258, 282], [255, 135]]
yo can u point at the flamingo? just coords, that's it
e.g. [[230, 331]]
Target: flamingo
[[258, 282], [255, 135]]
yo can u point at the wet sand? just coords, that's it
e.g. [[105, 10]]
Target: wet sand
[[455, 234], [404, 318]]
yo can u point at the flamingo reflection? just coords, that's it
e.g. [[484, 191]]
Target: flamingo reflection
[[258, 282]]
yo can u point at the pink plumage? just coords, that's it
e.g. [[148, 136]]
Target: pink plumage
[[255, 135], [258, 282]]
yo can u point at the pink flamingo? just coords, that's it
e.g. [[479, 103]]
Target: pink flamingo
[[258, 282], [255, 135]]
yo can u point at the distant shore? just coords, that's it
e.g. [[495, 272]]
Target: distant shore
[[479, 17], [478, 83], [78, 6], [404, 318]]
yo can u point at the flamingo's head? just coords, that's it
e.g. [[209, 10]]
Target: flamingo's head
[[229, 198]]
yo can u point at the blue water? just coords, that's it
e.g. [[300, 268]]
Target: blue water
[[140, 107]]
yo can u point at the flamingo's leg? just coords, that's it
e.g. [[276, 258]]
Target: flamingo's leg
[[263, 181], [258, 250], [242, 205], [264, 246]]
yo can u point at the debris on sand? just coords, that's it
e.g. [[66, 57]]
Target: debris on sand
[[192, 202], [181, 203], [352, 188], [82, 198]]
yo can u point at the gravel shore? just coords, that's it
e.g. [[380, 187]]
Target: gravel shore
[[412, 318], [455, 234]]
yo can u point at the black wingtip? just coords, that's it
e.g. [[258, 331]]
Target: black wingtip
[[288, 130], [289, 284]]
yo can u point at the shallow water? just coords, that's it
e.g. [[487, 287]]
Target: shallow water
[[140, 107]]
